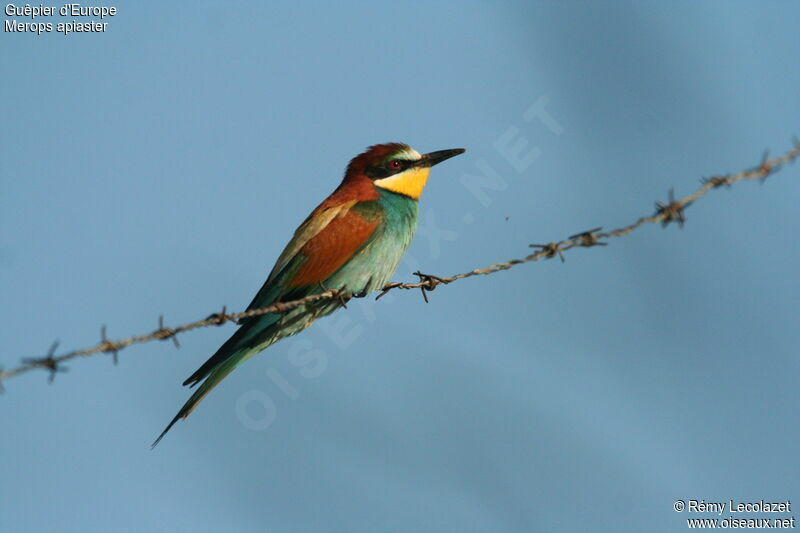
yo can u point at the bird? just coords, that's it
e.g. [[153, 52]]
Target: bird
[[351, 242]]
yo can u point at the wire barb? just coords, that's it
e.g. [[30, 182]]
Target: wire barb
[[49, 362], [716, 181], [428, 282], [588, 238], [219, 318], [108, 346], [665, 213], [387, 288], [766, 167], [672, 211], [550, 250], [163, 333]]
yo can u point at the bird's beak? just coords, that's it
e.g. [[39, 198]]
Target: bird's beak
[[434, 158]]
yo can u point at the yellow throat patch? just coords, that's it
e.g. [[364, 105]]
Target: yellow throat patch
[[411, 182]]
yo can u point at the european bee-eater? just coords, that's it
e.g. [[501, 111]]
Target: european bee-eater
[[353, 242]]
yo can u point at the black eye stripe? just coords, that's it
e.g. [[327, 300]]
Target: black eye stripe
[[377, 172], [386, 169]]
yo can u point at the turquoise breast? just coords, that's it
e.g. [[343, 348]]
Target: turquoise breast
[[375, 262]]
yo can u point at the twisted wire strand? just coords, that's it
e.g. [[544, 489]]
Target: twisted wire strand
[[665, 213]]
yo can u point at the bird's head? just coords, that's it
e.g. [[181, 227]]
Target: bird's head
[[397, 167]]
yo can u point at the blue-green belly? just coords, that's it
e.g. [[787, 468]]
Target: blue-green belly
[[370, 268]]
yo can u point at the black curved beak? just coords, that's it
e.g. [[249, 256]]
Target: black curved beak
[[434, 158]]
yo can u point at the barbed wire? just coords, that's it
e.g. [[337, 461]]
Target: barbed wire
[[665, 213]]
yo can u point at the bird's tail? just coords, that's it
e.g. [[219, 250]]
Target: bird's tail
[[245, 343]]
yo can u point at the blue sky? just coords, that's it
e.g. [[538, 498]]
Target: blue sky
[[160, 167]]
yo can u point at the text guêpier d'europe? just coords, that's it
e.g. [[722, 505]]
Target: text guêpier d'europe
[[29, 15]]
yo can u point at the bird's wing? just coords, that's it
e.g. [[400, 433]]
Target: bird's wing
[[312, 226], [320, 246], [325, 241]]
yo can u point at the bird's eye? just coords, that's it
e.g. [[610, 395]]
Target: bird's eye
[[394, 163]]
